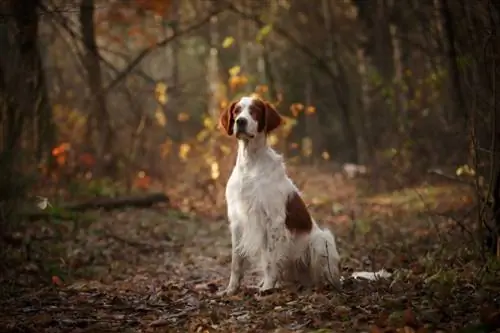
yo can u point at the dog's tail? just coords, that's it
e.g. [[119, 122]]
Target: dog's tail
[[324, 256]]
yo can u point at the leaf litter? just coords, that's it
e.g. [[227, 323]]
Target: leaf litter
[[159, 270]]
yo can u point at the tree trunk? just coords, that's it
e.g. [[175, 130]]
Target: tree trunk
[[346, 118], [213, 79], [382, 41], [365, 105], [32, 95], [400, 103], [459, 106], [495, 145], [98, 119], [26, 119], [174, 127], [242, 43]]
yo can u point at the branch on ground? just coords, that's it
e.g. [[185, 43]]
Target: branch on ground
[[102, 203]]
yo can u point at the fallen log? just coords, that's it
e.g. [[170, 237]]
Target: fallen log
[[65, 211], [120, 202]]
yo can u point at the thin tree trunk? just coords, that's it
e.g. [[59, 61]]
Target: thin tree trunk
[[346, 119], [365, 106], [327, 12], [382, 41], [242, 44], [449, 32], [213, 68], [175, 128], [99, 115], [400, 102]]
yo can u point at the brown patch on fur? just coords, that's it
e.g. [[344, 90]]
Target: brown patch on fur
[[266, 115], [226, 119], [298, 219]]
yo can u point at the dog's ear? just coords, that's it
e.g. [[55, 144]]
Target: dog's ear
[[226, 119], [272, 118]]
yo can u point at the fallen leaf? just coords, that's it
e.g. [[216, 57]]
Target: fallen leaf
[[409, 318], [57, 280]]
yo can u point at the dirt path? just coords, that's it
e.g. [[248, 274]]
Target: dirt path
[[157, 270]]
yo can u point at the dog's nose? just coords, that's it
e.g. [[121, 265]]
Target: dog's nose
[[241, 122]]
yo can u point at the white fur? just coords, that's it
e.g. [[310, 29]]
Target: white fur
[[256, 193], [245, 103]]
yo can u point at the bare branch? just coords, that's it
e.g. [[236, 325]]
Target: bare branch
[[320, 62], [134, 63]]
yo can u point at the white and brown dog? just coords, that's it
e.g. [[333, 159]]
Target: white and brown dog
[[269, 221]]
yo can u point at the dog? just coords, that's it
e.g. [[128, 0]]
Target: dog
[[269, 222]]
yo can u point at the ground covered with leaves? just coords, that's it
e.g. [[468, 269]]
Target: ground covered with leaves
[[159, 269]]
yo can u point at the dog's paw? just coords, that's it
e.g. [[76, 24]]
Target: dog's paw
[[229, 291], [265, 291], [260, 285]]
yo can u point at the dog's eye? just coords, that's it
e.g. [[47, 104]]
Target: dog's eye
[[254, 112], [237, 110]]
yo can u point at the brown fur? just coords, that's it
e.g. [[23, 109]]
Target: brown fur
[[267, 116], [298, 219], [226, 119]]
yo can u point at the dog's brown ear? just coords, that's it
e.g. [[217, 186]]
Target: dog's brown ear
[[226, 119], [272, 118]]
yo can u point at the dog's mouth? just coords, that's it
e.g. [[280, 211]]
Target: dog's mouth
[[242, 135]]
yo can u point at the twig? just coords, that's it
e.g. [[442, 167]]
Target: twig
[[450, 177], [429, 219]]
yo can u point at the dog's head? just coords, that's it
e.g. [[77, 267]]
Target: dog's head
[[249, 117]]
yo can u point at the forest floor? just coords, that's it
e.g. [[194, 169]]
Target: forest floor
[[159, 269]]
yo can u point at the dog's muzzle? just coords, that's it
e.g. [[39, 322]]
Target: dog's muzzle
[[241, 129]]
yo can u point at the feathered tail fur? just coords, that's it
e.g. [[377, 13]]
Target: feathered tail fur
[[324, 256]]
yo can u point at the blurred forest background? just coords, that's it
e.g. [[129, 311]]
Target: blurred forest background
[[116, 96], [391, 130]]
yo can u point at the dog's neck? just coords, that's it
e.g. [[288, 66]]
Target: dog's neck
[[249, 151]]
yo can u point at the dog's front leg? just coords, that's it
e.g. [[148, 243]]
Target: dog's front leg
[[237, 261], [270, 276], [270, 261]]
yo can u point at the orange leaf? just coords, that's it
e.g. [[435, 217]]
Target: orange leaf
[[261, 89], [183, 117], [295, 108], [63, 147], [142, 181], [159, 7], [310, 110], [61, 159], [57, 280], [87, 159]]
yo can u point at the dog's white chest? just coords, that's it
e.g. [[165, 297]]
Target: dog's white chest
[[245, 194]]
